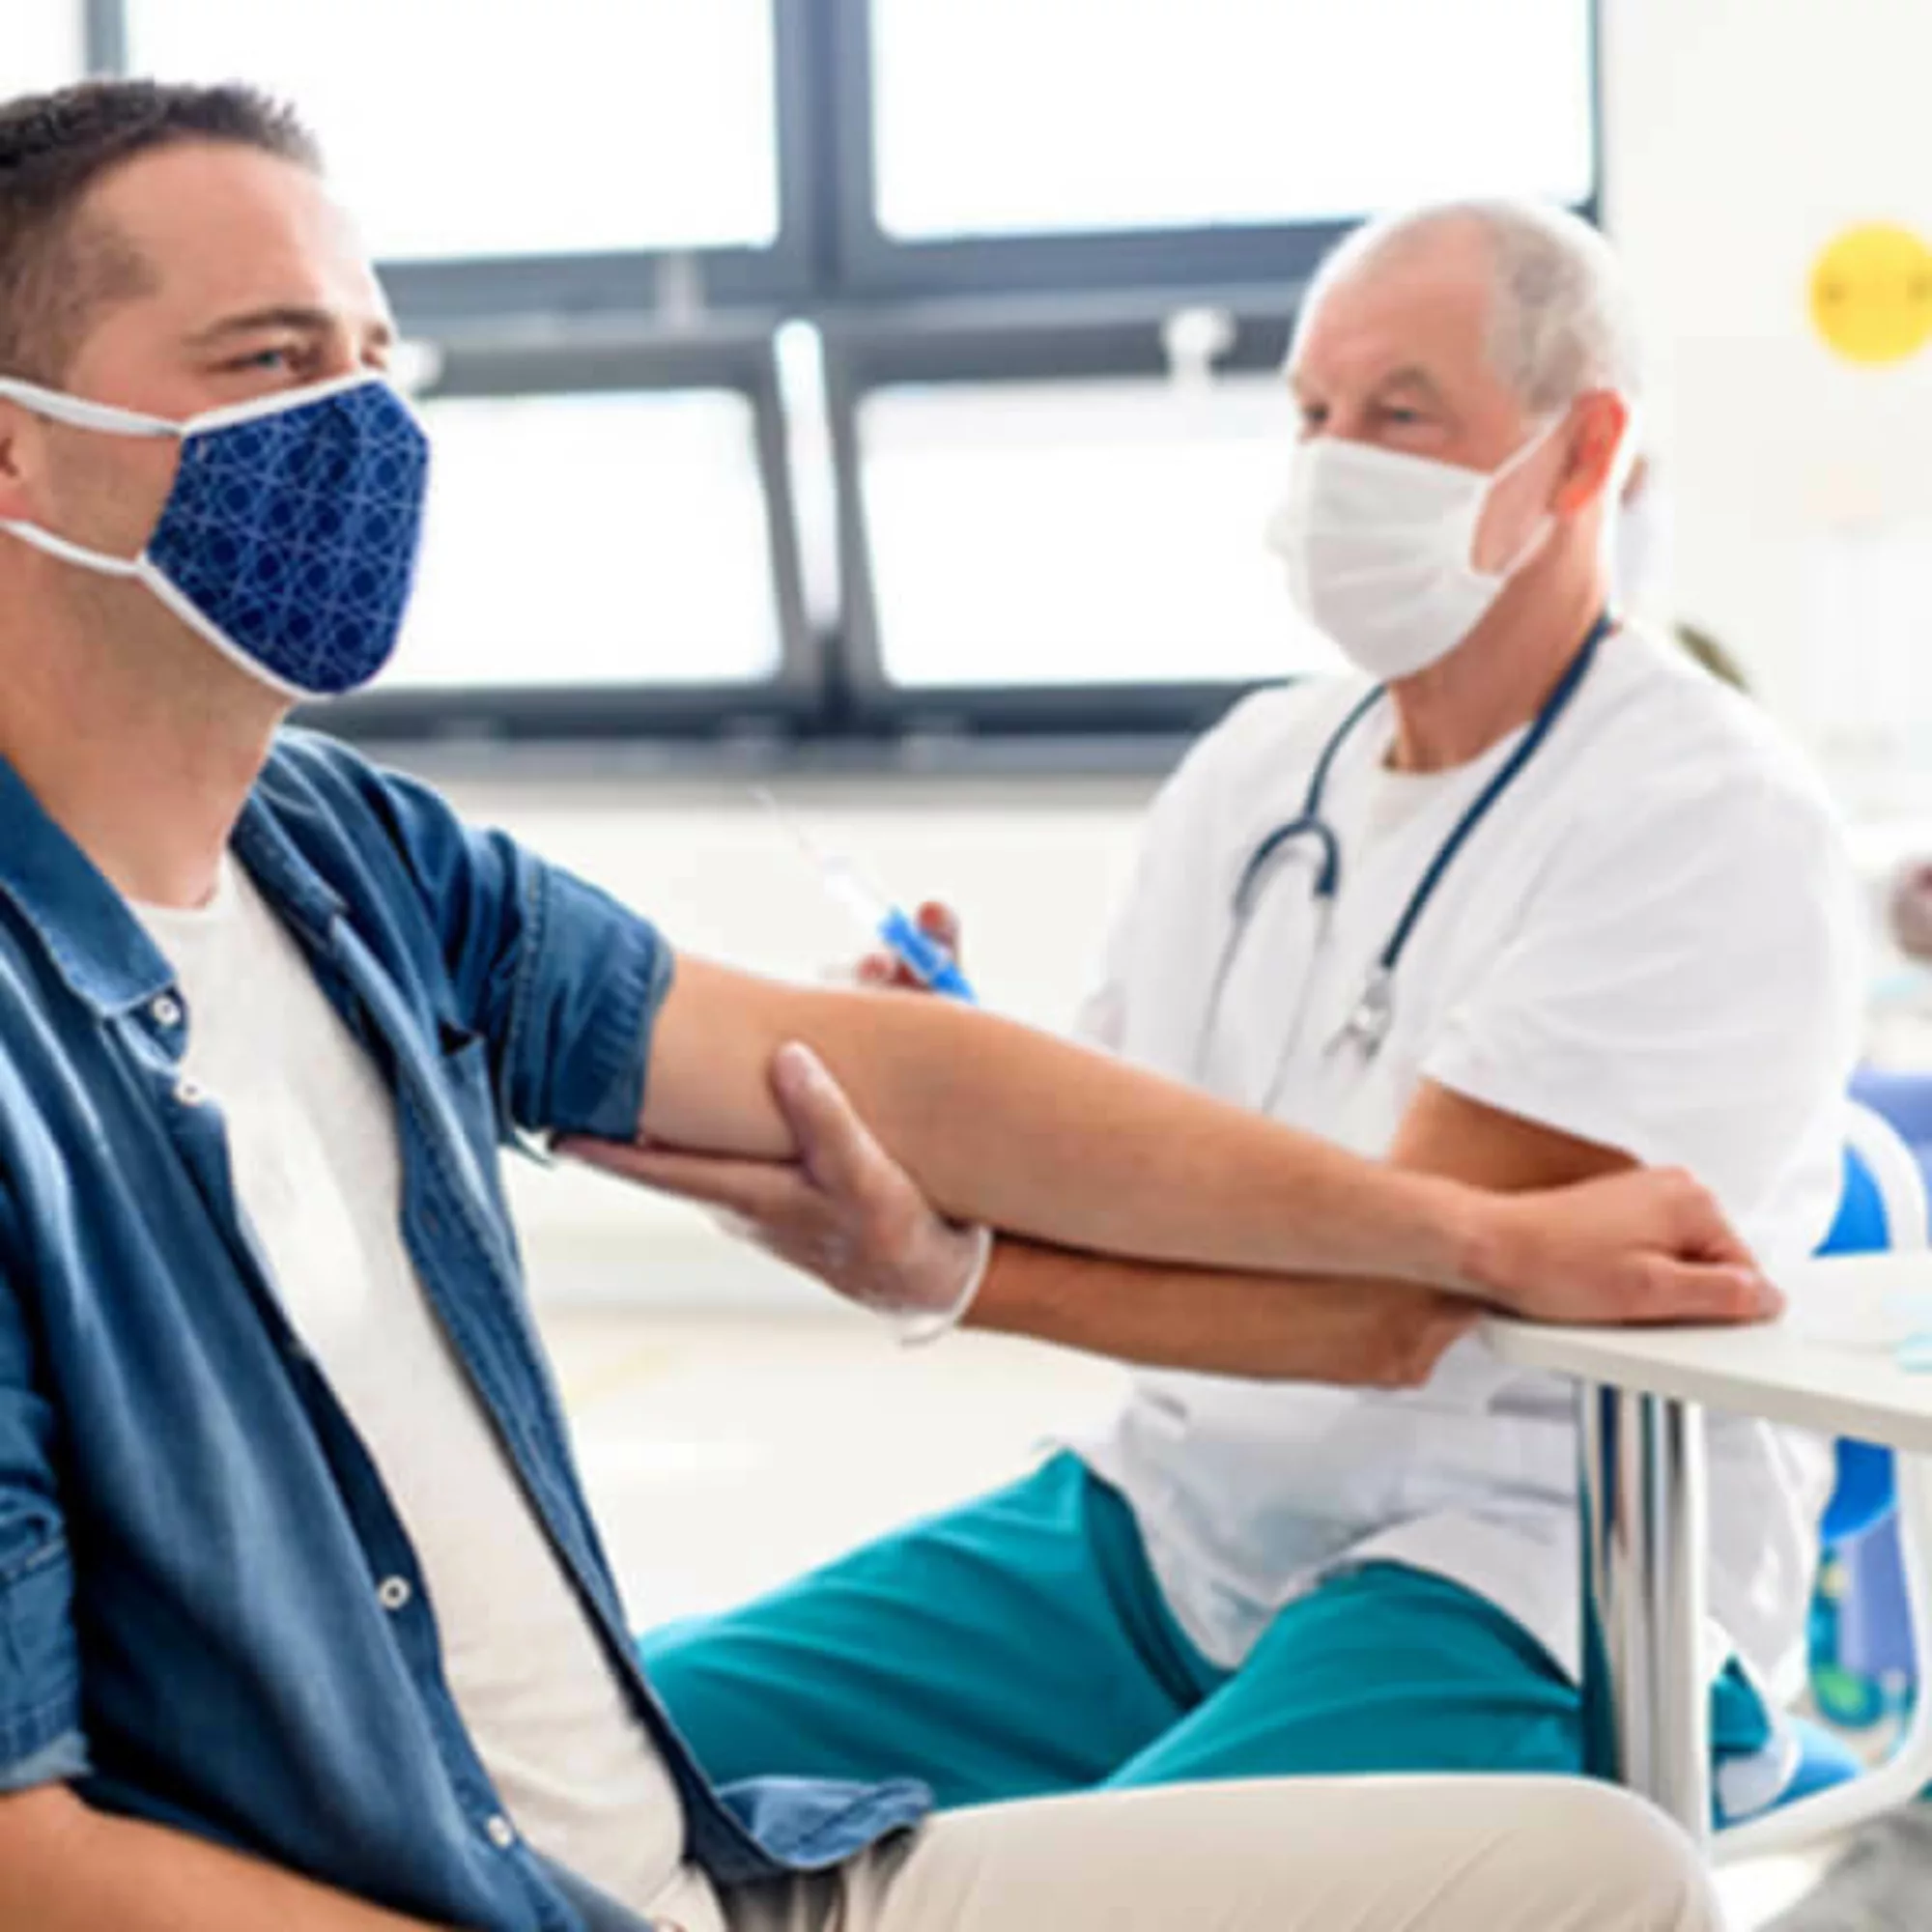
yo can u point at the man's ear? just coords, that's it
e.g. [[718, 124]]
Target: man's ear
[[21, 446], [1599, 420]]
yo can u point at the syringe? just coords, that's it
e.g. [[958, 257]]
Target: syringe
[[922, 955]]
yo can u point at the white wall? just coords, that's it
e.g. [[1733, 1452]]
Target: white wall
[[1741, 134]]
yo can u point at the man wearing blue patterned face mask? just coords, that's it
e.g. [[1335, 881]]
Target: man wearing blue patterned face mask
[[289, 533], [303, 1619]]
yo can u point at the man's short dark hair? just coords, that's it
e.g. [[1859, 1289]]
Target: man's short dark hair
[[58, 264]]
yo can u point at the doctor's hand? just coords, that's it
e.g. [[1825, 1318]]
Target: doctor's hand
[[1647, 1246], [937, 920], [844, 1210]]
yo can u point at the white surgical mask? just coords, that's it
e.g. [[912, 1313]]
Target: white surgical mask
[[1379, 547]]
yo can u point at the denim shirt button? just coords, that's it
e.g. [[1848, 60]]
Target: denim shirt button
[[190, 1092], [502, 1833], [165, 1011], [393, 1592]]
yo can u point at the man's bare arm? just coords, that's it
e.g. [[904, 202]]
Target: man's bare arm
[[66, 1867], [999, 1123], [1395, 1335], [1625, 1246], [847, 1213], [1344, 1332], [1455, 1138], [1307, 1328]]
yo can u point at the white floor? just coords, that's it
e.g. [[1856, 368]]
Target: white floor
[[724, 1456]]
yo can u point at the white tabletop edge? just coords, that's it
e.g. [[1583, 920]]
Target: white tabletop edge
[[1828, 1365]]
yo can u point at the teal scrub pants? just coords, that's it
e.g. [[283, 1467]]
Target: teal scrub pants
[[1020, 1647]]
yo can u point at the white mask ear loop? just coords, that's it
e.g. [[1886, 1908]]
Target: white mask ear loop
[[1508, 468], [77, 412], [69, 552]]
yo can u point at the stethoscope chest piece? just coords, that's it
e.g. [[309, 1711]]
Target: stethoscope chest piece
[[1372, 1016]]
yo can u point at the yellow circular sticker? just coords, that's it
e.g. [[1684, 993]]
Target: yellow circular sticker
[[1871, 292]]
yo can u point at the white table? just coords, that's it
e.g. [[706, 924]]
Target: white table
[[1828, 1365]]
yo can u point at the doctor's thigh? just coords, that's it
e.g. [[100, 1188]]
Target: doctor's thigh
[[1357, 1854]]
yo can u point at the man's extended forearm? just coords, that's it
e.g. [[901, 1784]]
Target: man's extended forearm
[[1001, 1124], [65, 1868], [1350, 1332]]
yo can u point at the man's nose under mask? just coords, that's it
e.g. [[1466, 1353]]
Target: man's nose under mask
[[288, 539]]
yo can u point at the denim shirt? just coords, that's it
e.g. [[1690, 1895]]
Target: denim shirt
[[191, 1533]]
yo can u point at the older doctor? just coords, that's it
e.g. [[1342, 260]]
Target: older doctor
[[1527, 899]]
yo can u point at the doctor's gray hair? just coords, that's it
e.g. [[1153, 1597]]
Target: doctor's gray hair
[[1562, 321]]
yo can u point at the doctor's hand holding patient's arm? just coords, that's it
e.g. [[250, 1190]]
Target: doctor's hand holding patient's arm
[[847, 1213], [1447, 1133], [995, 1123]]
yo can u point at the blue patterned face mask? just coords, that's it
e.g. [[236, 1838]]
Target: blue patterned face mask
[[289, 540]]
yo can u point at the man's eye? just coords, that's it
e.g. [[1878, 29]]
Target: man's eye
[[267, 362]]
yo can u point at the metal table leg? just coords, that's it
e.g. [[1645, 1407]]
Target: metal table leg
[[1646, 1705]]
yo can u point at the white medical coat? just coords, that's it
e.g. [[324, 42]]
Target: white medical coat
[[1653, 942]]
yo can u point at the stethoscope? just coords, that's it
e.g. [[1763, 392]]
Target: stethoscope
[[1372, 1014]]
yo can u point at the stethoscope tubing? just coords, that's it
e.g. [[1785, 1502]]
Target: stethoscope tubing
[[1372, 1013]]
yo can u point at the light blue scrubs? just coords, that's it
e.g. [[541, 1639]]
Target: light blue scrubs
[[1020, 1647]]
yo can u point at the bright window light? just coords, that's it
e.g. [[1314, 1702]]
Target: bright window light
[[41, 46], [1094, 532], [1014, 117], [593, 539], [503, 128]]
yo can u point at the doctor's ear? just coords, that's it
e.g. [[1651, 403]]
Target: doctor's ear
[[1597, 421]]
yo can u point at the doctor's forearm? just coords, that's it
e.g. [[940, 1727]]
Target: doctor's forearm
[[1000, 1124], [1375, 1334]]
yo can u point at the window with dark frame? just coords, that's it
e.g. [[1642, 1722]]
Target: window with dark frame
[[809, 372]]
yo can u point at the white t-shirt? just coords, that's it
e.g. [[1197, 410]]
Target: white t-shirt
[[1654, 943], [317, 1168]]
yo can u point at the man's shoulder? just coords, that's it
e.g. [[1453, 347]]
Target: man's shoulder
[[373, 836], [316, 788]]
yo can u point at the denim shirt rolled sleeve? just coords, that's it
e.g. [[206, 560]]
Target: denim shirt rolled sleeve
[[41, 1739], [561, 981]]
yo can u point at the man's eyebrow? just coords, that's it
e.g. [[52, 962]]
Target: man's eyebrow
[[289, 316]]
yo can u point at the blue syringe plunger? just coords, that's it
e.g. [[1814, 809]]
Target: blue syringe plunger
[[922, 955]]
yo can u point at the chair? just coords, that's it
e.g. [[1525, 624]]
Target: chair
[[1882, 1206], [1905, 1101]]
